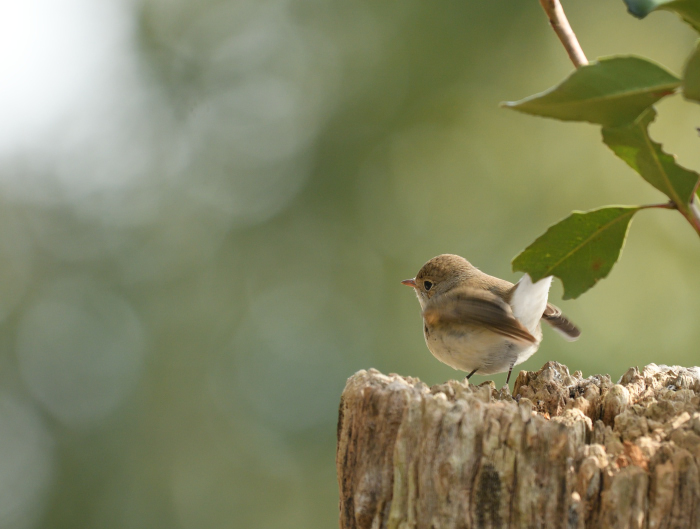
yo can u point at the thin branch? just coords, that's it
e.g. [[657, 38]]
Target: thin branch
[[694, 217], [695, 190], [561, 27]]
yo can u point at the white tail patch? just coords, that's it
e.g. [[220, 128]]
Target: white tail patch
[[529, 301]]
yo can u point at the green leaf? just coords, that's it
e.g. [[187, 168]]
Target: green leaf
[[611, 92], [633, 144], [691, 76], [580, 250], [689, 10]]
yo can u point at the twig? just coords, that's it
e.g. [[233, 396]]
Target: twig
[[694, 217], [695, 191], [561, 27]]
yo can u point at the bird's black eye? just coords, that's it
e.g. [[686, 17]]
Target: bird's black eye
[[427, 285]]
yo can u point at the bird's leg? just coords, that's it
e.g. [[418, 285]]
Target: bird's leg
[[470, 374], [509, 372]]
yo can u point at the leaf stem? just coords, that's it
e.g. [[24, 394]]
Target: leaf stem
[[665, 205], [560, 25], [692, 216]]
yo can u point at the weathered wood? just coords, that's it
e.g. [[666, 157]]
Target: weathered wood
[[564, 452]]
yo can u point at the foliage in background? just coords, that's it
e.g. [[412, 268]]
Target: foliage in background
[[205, 220], [618, 93]]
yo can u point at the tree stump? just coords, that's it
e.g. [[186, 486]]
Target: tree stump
[[561, 452]]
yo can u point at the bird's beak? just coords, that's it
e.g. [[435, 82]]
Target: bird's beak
[[409, 282]]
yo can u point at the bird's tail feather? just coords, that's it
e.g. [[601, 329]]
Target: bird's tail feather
[[560, 323]]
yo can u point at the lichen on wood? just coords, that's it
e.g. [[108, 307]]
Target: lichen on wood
[[560, 452]]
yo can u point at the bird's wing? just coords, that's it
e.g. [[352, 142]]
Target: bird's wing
[[466, 306], [560, 323]]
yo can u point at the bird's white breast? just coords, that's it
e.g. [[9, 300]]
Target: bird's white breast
[[477, 349]]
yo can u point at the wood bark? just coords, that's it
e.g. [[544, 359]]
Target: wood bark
[[560, 452]]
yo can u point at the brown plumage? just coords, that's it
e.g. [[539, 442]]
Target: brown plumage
[[480, 307], [477, 322]]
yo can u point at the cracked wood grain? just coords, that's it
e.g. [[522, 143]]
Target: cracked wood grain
[[561, 452]]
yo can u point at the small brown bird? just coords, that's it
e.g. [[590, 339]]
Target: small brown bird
[[476, 322]]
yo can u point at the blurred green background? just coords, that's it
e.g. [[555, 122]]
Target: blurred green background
[[207, 207]]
